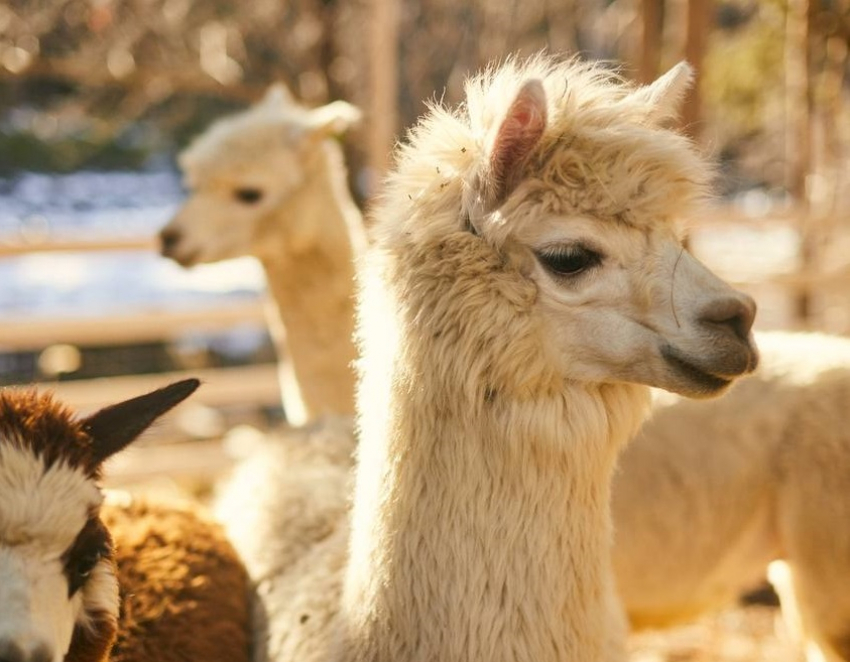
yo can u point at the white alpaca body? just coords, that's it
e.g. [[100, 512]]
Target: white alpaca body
[[452, 547], [297, 482], [709, 493], [490, 417]]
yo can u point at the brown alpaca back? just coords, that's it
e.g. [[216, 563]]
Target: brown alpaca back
[[184, 592]]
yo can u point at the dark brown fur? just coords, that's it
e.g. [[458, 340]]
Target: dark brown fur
[[93, 645], [48, 428], [92, 544]]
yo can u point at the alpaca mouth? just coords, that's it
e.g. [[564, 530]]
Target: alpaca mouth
[[706, 381], [184, 260]]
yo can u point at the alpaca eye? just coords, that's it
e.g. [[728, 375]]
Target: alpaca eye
[[80, 569], [90, 546], [248, 195], [569, 260], [87, 563]]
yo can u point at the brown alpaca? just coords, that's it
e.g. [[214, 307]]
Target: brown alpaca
[[86, 581]]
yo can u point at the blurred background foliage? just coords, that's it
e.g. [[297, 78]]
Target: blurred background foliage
[[122, 83]]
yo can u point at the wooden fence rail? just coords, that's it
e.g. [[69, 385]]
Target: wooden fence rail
[[14, 248], [27, 333], [222, 387], [254, 385]]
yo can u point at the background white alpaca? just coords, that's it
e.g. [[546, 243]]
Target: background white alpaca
[[270, 182], [86, 581], [286, 509], [487, 311], [728, 486]]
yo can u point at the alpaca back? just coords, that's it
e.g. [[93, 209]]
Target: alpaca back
[[813, 507], [698, 494], [184, 591], [286, 511]]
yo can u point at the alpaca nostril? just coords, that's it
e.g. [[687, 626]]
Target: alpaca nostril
[[736, 313], [11, 651], [41, 654], [168, 239]]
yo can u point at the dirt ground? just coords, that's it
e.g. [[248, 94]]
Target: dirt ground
[[751, 634]]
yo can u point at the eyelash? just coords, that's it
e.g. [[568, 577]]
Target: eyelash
[[248, 196], [569, 261]]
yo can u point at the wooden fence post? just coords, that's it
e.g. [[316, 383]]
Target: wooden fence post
[[798, 143], [652, 19], [700, 22], [384, 86]]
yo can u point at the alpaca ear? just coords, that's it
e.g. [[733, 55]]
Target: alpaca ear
[[114, 427], [278, 95], [333, 119], [666, 95], [518, 135]]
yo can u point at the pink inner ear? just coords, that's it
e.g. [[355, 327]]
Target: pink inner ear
[[518, 134], [523, 117]]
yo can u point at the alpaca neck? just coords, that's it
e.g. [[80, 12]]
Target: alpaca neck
[[310, 276], [481, 530]]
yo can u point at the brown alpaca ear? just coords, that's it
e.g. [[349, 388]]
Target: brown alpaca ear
[[114, 427], [516, 138], [665, 96]]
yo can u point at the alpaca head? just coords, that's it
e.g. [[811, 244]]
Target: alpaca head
[[58, 588], [554, 190], [243, 174]]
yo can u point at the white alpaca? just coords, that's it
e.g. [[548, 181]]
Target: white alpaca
[[270, 182], [521, 287], [286, 509], [83, 580], [710, 493]]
